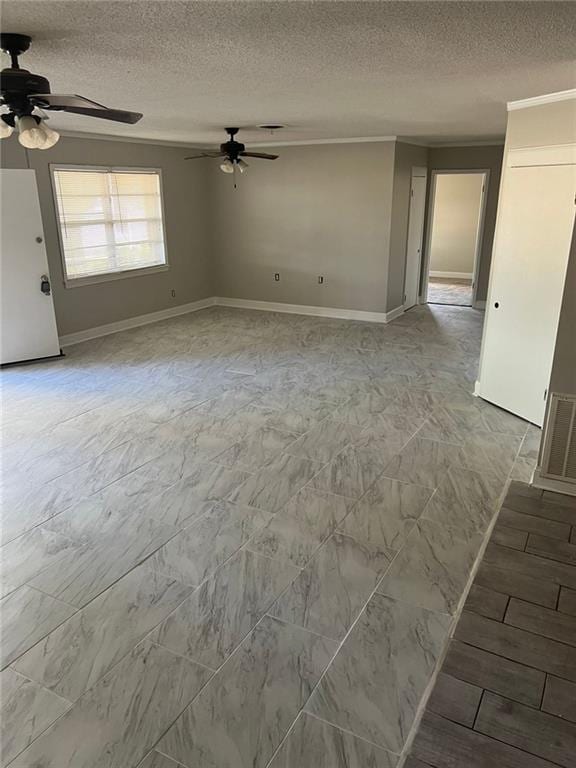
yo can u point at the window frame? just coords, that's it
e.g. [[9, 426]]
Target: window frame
[[105, 277]]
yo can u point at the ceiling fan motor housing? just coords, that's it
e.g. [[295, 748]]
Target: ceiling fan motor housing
[[232, 149], [16, 84]]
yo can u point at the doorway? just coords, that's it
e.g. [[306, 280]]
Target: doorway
[[455, 228]]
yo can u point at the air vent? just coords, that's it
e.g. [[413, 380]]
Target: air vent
[[559, 452]]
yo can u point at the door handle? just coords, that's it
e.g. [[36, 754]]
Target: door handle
[[45, 285]]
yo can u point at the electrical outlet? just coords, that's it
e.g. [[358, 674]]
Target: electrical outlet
[[277, 277], [320, 279], [173, 293]]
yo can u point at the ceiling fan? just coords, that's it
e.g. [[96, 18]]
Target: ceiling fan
[[233, 153], [26, 95]]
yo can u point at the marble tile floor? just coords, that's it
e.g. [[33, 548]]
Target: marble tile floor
[[450, 291], [240, 538]]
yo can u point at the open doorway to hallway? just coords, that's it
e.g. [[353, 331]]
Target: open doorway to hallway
[[455, 225]]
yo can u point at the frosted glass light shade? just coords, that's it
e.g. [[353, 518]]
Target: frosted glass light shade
[[5, 130], [227, 166], [51, 137], [31, 134]]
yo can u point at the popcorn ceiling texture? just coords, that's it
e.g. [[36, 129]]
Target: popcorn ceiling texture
[[437, 71]]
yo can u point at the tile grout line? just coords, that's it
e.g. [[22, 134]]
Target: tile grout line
[[340, 646]]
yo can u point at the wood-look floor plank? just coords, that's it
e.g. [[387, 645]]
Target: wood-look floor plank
[[542, 621], [495, 673], [444, 744], [509, 537], [567, 601], [559, 498], [544, 508], [532, 565], [455, 699], [486, 602], [562, 551], [519, 489], [413, 762], [518, 645], [521, 521], [516, 584], [560, 698], [523, 727]]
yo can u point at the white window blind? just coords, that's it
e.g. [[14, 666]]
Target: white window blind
[[110, 220]]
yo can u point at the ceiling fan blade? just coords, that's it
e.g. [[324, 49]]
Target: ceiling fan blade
[[205, 154], [118, 115], [61, 100], [261, 155], [81, 106]]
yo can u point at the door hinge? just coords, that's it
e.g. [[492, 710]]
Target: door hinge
[[545, 394], [411, 193]]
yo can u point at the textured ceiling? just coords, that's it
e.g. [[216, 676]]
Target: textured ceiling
[[436, 71]]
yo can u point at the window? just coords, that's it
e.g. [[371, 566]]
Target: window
[[110, 222]]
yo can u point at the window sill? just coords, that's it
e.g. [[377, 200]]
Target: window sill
[[107, 277]]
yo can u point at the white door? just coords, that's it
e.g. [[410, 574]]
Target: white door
[[414, 242], [529, 270], [27, 314]]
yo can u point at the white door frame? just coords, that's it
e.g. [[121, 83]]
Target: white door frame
[[417, 171], [479, 233]]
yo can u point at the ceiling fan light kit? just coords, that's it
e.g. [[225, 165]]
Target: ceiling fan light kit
[[23, 93]]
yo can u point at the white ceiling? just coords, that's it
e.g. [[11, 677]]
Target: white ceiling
[[435, 71]]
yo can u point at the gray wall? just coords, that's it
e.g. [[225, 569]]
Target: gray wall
[[317, 210], [186, 221], [462, 158], [337, 210], [406, 156]]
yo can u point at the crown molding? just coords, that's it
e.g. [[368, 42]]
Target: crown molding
[[293, 143], [445, 145], [203, 145], [547, 98], [413, 142], [314, 142], [130, 139]]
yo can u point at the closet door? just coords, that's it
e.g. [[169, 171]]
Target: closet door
[[529, 269]]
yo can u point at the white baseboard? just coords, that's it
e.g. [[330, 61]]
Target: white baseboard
[[134, 322], [479, 305], [302, 309], [266, 306], [548, 484], [458, 275]]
